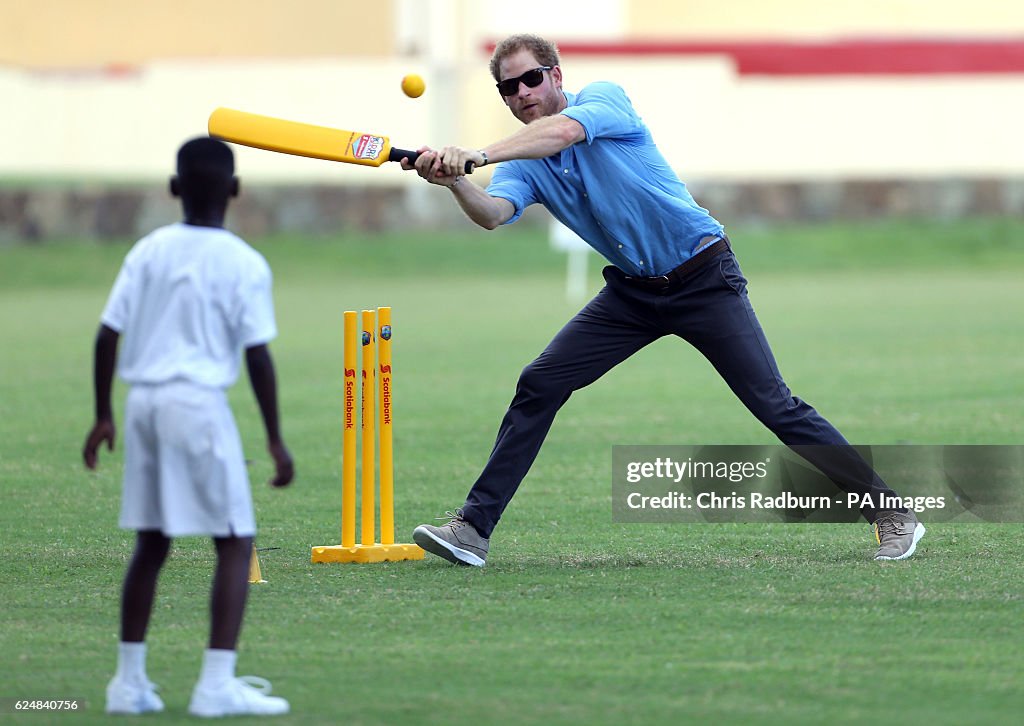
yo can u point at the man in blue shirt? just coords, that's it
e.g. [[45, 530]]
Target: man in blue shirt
[[591, 161]]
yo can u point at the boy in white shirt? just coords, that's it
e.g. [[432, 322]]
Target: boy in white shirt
[[189, 298]]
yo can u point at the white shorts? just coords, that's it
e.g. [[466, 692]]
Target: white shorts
[[184, 471]]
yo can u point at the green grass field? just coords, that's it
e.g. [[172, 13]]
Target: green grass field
[[899, 332]]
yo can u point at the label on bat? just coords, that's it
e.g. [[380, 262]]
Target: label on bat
[[368, 146]]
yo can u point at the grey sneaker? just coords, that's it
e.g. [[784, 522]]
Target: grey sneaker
[[897, 534], [457, 541]]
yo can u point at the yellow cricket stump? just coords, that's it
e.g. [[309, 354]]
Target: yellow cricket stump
[[375, 343], [369, 431], [387, 469], [348, 434]]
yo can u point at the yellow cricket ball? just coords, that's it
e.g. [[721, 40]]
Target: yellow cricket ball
[[413, 85]]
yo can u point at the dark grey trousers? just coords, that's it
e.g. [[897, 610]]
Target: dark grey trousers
[[710, 310]]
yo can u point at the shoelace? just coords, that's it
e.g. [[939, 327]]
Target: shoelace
[[452, 517], [886, 526], [255, 682]]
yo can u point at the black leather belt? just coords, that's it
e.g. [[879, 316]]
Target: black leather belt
[[692, 265]]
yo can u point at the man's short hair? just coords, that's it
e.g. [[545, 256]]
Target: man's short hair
[[544, 51]]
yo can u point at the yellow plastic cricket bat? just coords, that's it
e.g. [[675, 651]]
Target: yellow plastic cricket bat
[[317, 142]]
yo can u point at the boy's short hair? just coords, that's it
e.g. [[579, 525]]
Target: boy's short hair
[[203, 155], [206, 167], [544, 51]]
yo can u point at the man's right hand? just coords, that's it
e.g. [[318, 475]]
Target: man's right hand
[[428, 166], [487, 211], [285, 468]]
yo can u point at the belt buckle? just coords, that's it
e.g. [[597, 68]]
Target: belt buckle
[[659, 278]]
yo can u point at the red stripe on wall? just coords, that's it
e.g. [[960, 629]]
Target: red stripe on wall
[[843, 57]]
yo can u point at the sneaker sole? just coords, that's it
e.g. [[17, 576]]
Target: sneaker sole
[[115, 711], [919, 531], [205, 710], [221, 713], [437, 546]]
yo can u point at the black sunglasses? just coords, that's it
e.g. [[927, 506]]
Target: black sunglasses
[[532, 79]]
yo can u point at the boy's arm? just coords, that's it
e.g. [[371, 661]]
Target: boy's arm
[[264, 386], [104, 360]]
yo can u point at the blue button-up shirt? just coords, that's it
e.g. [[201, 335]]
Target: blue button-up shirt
[[615, 190]]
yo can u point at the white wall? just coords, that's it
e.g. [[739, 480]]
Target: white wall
[[95, 125], [713, 124], [709, 122]]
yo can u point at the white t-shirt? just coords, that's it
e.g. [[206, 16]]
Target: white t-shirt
[[187, 301]]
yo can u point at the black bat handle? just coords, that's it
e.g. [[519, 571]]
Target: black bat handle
[[399, 154], [412, 156]]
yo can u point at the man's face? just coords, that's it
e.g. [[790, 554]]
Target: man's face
[[529, 104]]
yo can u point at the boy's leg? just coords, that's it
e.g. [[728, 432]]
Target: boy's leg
[[130, 691], [151, 548], [227, 608], [219, 692], [230, 590]]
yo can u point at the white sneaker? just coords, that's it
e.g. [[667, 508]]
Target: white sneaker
[[126, 697], [246, 695]]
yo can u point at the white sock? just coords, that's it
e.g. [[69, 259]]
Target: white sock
[[218, 667], [131, 662]]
